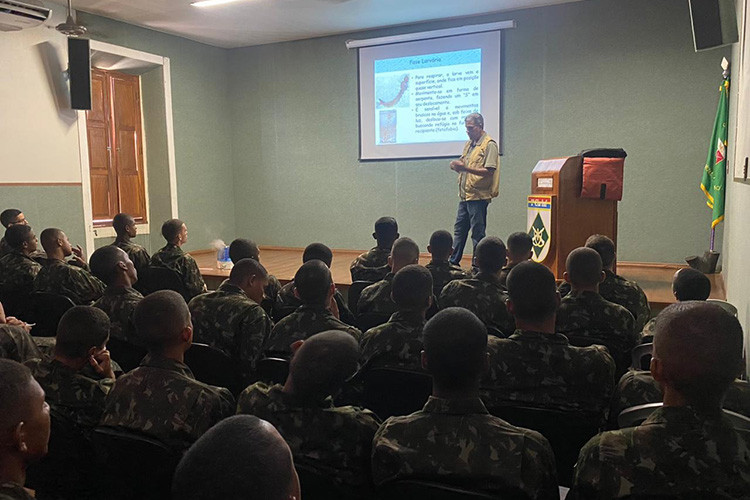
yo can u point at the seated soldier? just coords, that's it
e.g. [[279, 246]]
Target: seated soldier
[[519, 250], [333, 440], [376, 298], [240, 457], [62, 278], [231, 318], [398, 343], [172, 257], [24, 428], [17, 268], [81, 348], [586, 317], [454, 439], [161, 397], [318, 312], [442, 270], [8, 218], [113, 266], [687, 284], [125, 228], [286, 301], [538, 367], [373, 264], [247, 249], [16, 343], [483, 294], [615, 288], [687, 448]]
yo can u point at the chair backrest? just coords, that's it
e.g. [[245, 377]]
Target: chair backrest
[[155, 278], [408, 489], [370, 320], [566, 431], [393, 391], [640, 356], [47, 309], [272, 370], [355, 290], [739, 421], [281, 312], [127, 355], [317, 485], [16, 303], [636, 415], [214, 367], [724, 305], [135, 465]]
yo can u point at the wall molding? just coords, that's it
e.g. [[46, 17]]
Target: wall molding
[[42, 184]]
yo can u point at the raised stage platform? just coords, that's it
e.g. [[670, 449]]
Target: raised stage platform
[[283, 262]]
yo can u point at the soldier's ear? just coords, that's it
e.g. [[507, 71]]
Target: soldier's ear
[[390, 261], [603, 277], [657, 369], [510, 306], [296, 293], [566, 277], [374, 236], [424, 362]]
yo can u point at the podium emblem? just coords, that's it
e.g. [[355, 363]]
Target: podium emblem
[[539, 216]]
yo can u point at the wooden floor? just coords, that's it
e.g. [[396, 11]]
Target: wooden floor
[[283, 262]]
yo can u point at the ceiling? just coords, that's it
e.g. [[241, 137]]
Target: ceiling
[[256, 22]]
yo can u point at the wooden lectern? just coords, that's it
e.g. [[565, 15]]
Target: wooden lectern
[[558, 216]]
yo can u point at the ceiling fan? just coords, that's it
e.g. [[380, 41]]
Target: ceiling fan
[[70, 27]]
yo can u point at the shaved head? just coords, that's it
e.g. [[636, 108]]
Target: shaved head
[[604, 246], [404, 252], [313, 281], [15, 385], [317, 251], [246, 268], [322, 363], [49, 238], [242, 248], [584, 267], [160, 318], [697, 350], [105, 261], [240, 458], [691, 284], [490, 254]]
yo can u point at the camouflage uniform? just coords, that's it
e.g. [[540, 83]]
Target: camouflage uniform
[[588, 315], [76, 283], [376, 298], [5, 249], [17, 344], [12, 491], [444, 272], [230, 321], [544, 370], [286, 300], [305, 322], [161, 398], [484, 296], [638, 387], [396, 344], [79, 397], [335, 440], [119, 303], [172, 257], [458, 441], [371, 265], [675, 453], [627, 293], [270, 293], [17, 273], [137, 254]]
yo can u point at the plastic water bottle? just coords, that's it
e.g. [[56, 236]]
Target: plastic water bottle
[[222, 258]]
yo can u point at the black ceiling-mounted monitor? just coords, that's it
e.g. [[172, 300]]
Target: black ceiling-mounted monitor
[[714, 23]]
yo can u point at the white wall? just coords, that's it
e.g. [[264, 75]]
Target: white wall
[[38, 131]]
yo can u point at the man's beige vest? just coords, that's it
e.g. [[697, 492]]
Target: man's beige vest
[[477, 187]]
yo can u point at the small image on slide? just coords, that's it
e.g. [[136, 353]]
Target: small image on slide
[[391, 91], [388, 127]]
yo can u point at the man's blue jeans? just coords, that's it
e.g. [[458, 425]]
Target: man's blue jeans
[[471, 215]]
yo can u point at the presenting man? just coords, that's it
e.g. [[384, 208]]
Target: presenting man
[[478, 182]]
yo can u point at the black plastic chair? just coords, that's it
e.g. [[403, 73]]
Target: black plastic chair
[[393, 391], [636, 415], [281, 312], [16, 304], [566, 431], [371, 320], [409, 489], [315, 484], [153, 279], [211, 366], [47, 309], [272, 370], [640, 357], [134, 465], [127, 355], [355, 290]]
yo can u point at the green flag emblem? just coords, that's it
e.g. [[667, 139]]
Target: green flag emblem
[[714, 173], [539, 235]]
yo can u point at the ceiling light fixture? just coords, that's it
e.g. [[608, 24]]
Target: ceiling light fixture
[[211, 3]]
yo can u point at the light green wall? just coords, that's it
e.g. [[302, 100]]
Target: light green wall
[[48, 206], [576, 76], [200, 76]]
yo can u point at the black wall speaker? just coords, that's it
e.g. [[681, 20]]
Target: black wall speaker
[[714, 23], [79, 71]]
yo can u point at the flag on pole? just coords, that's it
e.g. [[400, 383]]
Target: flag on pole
[[714, 173]]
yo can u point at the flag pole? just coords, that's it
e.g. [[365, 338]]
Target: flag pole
[[725, 75]]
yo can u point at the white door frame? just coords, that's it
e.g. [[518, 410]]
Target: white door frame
[[134, 58]]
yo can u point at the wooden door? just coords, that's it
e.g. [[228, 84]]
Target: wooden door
[[103, 177]]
